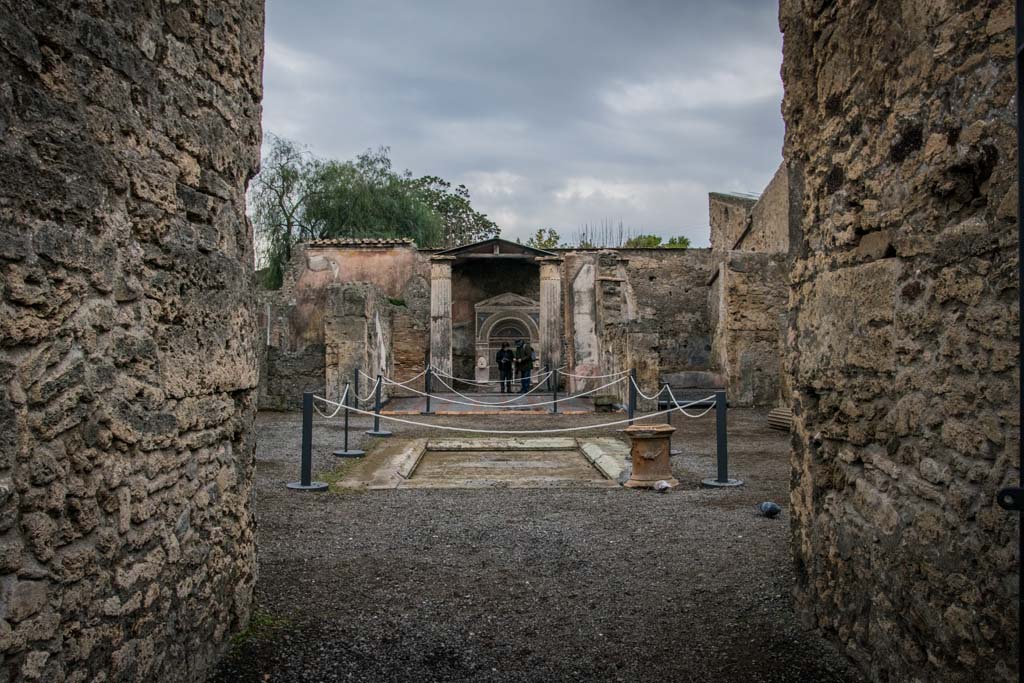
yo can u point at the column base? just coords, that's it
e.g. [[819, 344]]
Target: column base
[[715, 484], [379, 432], [351, 453], [649, 483], [314, 486]]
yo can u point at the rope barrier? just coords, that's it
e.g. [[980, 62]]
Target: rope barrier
[[483, 383], [614, 374], [341, 405], [407, 381], [495, 403], [503, 406], [682, 409], [559, 430], [373, 390], [640, 391]]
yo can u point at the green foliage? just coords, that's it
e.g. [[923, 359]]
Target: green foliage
[[297, 197], [396, 302], [460, 223], [642, 242], [680, 242], [277, 200], [544, 239]]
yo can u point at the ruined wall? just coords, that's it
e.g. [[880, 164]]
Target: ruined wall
[[899, 116], [127, 360], [768, 223], [746, 298], [642, 308], [727, 216]]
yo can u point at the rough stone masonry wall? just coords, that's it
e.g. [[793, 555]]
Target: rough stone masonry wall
[[128, 131], [900, 116]]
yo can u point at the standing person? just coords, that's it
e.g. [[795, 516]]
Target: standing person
[[524, 359], [504, 358]]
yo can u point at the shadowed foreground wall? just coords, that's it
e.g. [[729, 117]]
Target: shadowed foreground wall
[[903, 319], [128, 131]]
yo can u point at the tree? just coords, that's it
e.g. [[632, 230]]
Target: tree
[[460, 223], [544, 239], [366, 198], [681, 242], [277, 201], [642, 242], [297, 197]]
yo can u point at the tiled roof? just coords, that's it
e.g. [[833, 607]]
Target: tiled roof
[[362, 242]]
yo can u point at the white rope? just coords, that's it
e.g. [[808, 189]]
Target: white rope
[[518, 406], [641, 393], [373, 390], [341, 404], [440, 373], [682, 409], [614, 374], [560, 430], [407, 381], [495, 403]]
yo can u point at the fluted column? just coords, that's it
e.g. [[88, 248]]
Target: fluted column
[[441, 313], [550, 310]]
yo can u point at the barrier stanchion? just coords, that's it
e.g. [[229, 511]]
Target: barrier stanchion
[[631, 400], [377, 431], [722, 480], [306, 482], [428, 387], [668, 419], [345, 451], [355, 387], [554, 389]]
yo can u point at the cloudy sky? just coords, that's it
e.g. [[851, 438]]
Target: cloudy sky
[[553, 113]]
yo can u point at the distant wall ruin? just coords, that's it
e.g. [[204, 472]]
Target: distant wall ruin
[[127, 363], [903, 332]]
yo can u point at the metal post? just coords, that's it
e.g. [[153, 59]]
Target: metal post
[[668, 417], [428, 386], [721, 422], [355, 387], [306, 482], [631, 407], [345, 452], [377, 431], [554, 393]]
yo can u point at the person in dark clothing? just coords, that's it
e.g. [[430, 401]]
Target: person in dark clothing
[[504, 358], [524, 361]]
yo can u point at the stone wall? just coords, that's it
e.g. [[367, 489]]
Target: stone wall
[[903, 329], [727, 216], [128, 369], [768, 224], [747, 298]]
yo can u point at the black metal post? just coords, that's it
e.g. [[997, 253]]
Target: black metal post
[[428, 386], [377, 431], [670, 406], [721, 428], [554, 392], [631, 407], [345, 452], [306, 482], [355, 387]]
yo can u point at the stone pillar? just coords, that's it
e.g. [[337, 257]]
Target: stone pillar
[[441, 313], [649, 451], [550, 311]]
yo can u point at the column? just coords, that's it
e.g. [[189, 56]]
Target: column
[[550, 310], [441, 313]]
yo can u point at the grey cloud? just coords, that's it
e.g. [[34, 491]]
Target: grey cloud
[[561, 113]]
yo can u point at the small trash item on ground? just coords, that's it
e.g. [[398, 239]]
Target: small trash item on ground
[[662, 486], [768, 509]]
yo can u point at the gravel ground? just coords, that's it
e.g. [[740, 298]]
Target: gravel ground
[[527, 585]]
